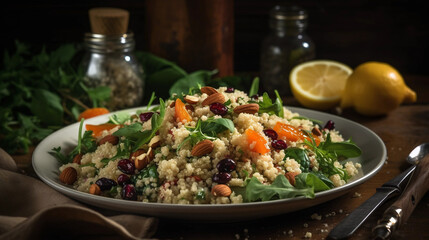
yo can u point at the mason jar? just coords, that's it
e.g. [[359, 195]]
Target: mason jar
[[286, 46], [110, 61]]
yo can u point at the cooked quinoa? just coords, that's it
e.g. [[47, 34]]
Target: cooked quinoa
[[181, 177]]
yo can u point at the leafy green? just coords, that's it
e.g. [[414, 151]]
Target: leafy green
[[137, 137], [267, 105], [254, 87], [193, 80], [300, 156], [44, 87], [279, 189], [328, 152], [305, 180], [86, 143], [208, 129], [119, 117]]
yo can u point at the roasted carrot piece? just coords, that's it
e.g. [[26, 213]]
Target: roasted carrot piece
[[92, 112], [291, 133], [181, 112], [98, 129], [256, 142]]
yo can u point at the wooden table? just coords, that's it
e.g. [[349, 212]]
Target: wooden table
[[401, 131]]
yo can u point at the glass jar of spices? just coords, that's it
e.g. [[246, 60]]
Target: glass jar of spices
[[110, 61], [286, 46]]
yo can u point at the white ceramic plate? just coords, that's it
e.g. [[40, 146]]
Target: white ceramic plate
[[372, 159]]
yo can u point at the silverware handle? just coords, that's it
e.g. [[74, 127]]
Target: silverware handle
[[404, 206], [416, 189]]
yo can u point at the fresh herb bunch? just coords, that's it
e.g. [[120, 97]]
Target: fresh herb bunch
[[40, 93]]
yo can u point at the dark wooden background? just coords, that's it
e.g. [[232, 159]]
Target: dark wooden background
[[352, 31]]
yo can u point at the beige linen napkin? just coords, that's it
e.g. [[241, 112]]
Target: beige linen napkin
[[30, 209]]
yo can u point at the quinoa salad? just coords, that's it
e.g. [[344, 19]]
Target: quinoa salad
[[209, 146]]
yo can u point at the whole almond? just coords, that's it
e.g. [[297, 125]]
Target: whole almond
[[109, 138], [208, 90], [191, 99], [291, 177], [155, 141], [77, 158], [202, 148], [68, 175], [216, 97], [250, 108], [94, 189], [221, 190]]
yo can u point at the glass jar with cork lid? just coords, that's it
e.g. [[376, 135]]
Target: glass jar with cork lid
[[110, 60], [286, 46]]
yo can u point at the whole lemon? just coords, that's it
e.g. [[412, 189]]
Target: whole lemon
[[376, 88]]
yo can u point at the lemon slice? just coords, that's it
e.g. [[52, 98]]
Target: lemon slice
[[319, 84]]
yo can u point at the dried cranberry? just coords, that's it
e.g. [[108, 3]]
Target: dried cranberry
[[279, 144], [230, 90], [129, 192], [218, 109], [226, 165], [255, 97], [126, 166], [271, 134], [123, 179], [330, 125], [105, 183], [221, 177], [145, 116]]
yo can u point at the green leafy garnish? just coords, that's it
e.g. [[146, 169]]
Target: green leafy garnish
[[305, 180], [267, 105], [150, 171], [86, 143], [300, 156], [279, 189], [254, 88], [208, 129], [328, 152]]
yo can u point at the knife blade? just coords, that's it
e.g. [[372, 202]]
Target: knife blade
[[390, 189]]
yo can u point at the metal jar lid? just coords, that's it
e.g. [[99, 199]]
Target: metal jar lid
[[109, 43], [288, 16]]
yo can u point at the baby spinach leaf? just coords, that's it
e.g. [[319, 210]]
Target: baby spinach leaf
[[279, 189], [192, 80], [300, 155], [212, 127], [310, 180], [267, 105], [346, 149], [119, 118]]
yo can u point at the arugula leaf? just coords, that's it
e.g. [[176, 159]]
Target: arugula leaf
[[306, 180], [212, 126], [279, 189], [208, 129], [300, 155], [119, 118], [137, 137], [267, 105], [345, 149], [254, 88]]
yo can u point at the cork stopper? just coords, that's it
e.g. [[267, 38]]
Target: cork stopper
[[109, 21]]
